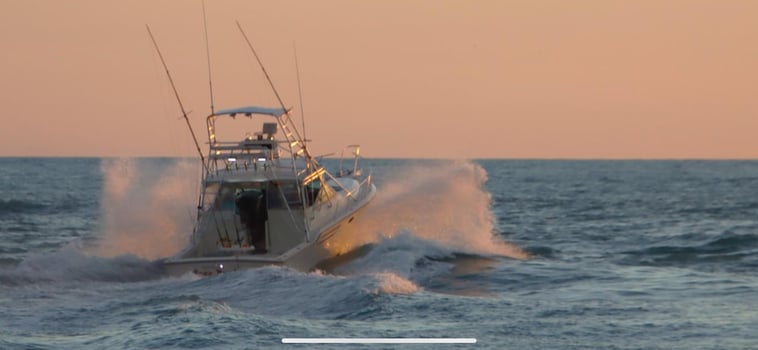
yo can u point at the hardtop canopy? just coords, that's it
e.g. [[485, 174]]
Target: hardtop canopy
[[250, 110]]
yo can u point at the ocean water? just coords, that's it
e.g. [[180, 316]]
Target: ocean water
[[517, 254]]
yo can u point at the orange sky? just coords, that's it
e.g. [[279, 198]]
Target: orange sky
[[441, 79]]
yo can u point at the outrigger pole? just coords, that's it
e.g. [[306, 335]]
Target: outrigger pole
[[181, 106], [278, 98], [300, 94], [208, 55]]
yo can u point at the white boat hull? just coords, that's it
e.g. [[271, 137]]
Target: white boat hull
[[304, 257], [304, 260]]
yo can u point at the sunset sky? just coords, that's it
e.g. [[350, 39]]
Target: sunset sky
[[437, 79]]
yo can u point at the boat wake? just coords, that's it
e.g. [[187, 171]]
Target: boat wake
[[405, 264], [359, 289], [441, 202], [429, 222], [72, 265]]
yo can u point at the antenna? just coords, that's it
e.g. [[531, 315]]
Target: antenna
[[300, 93], [181, 106], [208, 56]]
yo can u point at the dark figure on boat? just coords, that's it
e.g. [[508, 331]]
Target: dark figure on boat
[[253, 214]]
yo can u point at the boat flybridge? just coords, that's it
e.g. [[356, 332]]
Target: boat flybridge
[[266, 201]]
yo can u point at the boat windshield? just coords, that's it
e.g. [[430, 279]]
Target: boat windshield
[[227, 194], [223, 196]]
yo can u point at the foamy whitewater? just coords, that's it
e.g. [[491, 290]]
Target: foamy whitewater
[[517, 254]]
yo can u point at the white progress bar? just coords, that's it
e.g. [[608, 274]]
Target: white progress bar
[[378, 340]]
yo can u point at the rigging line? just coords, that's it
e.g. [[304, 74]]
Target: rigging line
[[226, 237], [263, 68], [162, 93], [237, 230], [284, 123], [278, 188], [181, 106], [302, 193], [276, 93], [208, 56], [300, 93], [212, 213]]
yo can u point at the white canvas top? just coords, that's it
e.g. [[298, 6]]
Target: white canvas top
[[274, 112]]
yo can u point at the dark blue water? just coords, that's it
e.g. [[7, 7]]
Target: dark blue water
[[517, 254]]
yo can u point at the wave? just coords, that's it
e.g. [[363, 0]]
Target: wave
[[71, 264], [744, 209], [17, 206], [276, 290], [739, 249], [47, 204], [406, 264]]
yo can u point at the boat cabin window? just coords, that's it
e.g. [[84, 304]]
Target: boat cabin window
[[225, 198], [281, 191], [275, 193], [311, 191]]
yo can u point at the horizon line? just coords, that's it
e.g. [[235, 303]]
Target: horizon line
[[409, 158]]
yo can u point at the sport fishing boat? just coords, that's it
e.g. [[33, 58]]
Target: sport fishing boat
[[264, 199]]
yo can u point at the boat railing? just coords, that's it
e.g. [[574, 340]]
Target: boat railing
[[355, 171], [363, 188], [358, 194], [233, 156], [226, 159], [251, 154]]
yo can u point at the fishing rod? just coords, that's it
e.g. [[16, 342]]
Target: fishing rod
[[181, 106]]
